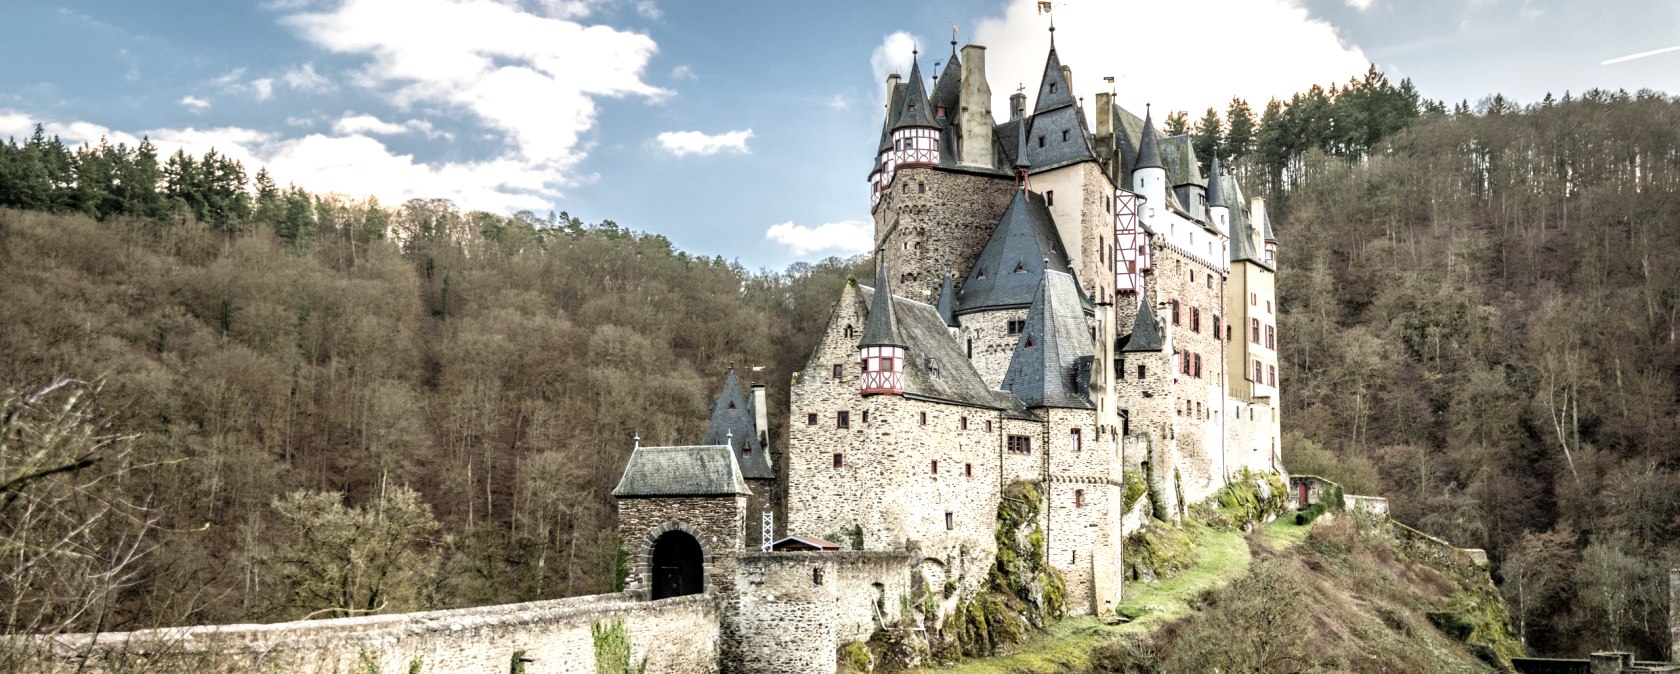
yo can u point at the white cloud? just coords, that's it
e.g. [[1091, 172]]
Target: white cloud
[[263, 88], [844, 237], [1223, 60], [648, 9], [1360, 5], [684, 143], [892, 56], [839, 102], [531, 78], [354, 124], [683, 73], [304, 78], [196, 103]]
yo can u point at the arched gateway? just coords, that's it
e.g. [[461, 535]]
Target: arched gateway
[[678, 565]]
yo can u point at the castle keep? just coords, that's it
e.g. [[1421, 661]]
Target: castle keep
[[1070, 305]]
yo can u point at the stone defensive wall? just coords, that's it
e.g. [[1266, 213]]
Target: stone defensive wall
[[793, 608], [678, 635]]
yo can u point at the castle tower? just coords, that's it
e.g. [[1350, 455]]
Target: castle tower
[[915, 135], [1219, 215], [1149, 178], [881, 351]]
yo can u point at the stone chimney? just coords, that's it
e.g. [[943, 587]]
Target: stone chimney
[[892, 83], [1067, 76], [974, 120], [761, 415], [1017, 105], [1105, 128]]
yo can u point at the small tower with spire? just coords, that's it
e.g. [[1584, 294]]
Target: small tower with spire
[[881, 350], [1149, 178], [1219, 214], [915, 136]]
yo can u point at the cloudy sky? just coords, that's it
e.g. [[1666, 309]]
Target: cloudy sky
[[736, 129]]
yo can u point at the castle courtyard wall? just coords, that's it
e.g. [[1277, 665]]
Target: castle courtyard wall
[[678, 635], [794, 608]]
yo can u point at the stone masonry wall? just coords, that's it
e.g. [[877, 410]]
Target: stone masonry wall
[[993, 346], [678, 635], [1198, 438], [886, 487], [795, 608], [943, 220]]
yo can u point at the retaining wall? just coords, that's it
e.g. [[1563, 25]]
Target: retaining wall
[[677, 635]]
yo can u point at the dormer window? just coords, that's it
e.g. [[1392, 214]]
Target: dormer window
[[1020, 267], [1064, 135], [912, 108], [1052, 87], [941, 111], [731, 404], [1041, 141], [1029, 341]]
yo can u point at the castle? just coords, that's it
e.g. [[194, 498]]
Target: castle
[[1069, 305], [1075, 306]]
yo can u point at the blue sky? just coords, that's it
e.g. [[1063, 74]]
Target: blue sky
[[734, 128]]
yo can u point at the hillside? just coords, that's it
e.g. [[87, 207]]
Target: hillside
[[352, 421]]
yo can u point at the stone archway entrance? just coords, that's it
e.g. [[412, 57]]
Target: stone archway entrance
[[678, 565]]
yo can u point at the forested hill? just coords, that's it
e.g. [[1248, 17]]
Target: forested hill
[[339, 405], [1479, 321], [285, 394]]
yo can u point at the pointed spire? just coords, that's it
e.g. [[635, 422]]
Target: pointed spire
[[1149, 156], [1054, 91], [1216, 185], [882, 327], [914, 108], [948, 301], [1146, 332]]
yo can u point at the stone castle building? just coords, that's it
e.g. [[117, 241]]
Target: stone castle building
[[1055, 301]]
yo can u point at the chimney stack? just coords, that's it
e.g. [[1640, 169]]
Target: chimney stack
[[974, 119], [1017, 105], [761, 415], [1105, 130], [892, 83]]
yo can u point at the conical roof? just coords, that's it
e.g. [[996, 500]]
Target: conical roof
[[1149, 156], [1010, 266], [1045, 370], [947, 302], [882, 327], [1215, 187], [733, 424], [1054, 90], [913, 109], [1146, 332], [895, 101], [948, 89]]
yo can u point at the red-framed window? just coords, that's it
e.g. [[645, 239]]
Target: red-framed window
[[1271, 337], [1195, 319]]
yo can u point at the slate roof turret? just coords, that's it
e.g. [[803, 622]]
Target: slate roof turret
[[937, 367], [697, 470], [1146, 332], [913, 109], [1215, 187], [882, 327], [1050, 367], [733, 424], [1148, 156]]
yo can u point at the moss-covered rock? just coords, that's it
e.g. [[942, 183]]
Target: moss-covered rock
[[854, 657], [1158, 551]]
